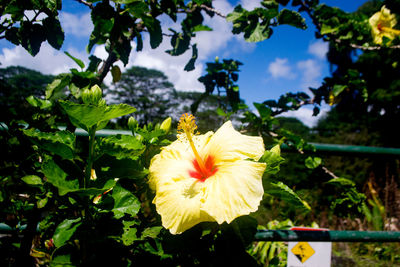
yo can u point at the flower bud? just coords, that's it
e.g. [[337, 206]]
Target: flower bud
[[102, 103], [92, 95], [166, 125], [132, 123], [276, 149], [93, 175], [49, 244], [96, 94], [85, 95]]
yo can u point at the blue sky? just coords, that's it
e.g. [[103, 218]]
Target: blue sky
[[291, 60]]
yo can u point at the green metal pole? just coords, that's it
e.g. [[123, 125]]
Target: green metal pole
[[320, 148], [327, 236], [350, 149]]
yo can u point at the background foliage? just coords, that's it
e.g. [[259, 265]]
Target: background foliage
[[84, 200]]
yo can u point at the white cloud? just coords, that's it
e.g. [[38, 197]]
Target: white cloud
[[250, 4], [281, 68], [47, 61], [311, 71], [78, 25], [318, 49], [304, 114], [172, 66]]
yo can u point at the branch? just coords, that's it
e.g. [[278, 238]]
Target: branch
[[112, 57], [299, 105], [216, 12], [329, 172], [369, 48], [90, 5], [204, 7]]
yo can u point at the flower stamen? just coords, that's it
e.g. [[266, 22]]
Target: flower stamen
[[187, 125], [390, 30]]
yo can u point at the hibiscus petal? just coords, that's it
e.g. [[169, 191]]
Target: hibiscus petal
[[235, 190], [227, 144], [178, 202]]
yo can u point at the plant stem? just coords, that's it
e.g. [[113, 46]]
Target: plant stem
[[86, 217], [91, 156]]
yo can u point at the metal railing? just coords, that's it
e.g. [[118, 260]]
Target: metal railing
[[327, 236], [297, 235]]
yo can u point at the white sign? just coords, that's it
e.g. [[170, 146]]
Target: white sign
[[309, 254]]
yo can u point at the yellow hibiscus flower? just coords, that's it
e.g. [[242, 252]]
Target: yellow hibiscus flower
[[382, 24], [210, 177]]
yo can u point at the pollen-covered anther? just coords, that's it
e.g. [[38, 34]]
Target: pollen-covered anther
[[187, 124]]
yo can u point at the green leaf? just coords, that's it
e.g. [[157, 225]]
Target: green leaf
[[57, 85], [273, 161], [282, 191], [313, 162], [201, 27], [53, 5], [61, 143], [341, 182], [337, 89], [180, 43], [272, 4], [220, 112], [151, 232], [77, 60], [348, 201], [154, 27], [326, 29], [138, 8], [94, 62], [265, 113], [42, 202], [32, 36], [116, 74], [57, 177], [12, 35], [237, 13], [124, 202], [123, 49], [190, 65], [125, 1], [129, 235], [54, 32], [62, 261], [258, 34], [125, 168], [122, 146], [38, 103], [64, 231], [32, 180], [86, 116], [292, 18]]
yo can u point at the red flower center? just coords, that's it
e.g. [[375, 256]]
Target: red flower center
[[200, 174]]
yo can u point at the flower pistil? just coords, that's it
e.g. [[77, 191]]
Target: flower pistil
[[203, 169]]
